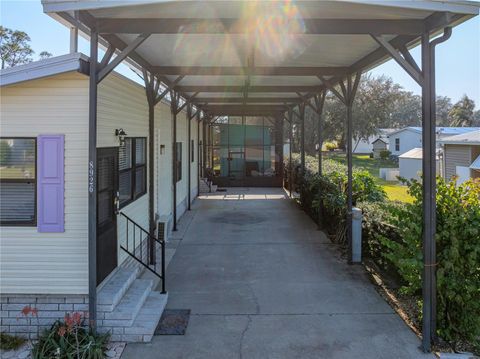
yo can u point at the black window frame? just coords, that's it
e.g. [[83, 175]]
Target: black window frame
[[178, 164], [133, 171], [32, 223], [397, 144]]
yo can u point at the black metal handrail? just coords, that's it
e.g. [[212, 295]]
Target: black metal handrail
[[143, 233]]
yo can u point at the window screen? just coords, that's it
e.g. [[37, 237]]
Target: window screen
[[18, 181]]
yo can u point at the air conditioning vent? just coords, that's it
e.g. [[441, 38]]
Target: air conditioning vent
[[162, 231]]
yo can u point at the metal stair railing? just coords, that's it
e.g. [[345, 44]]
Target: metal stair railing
[[136, 248]]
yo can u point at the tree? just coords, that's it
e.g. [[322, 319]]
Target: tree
[[444, 106], [14, 47], [462, 112], [45, 55]]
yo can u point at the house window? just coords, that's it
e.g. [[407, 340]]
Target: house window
[[18, 187], [397, 144], [192, 150], [178, 165], [132, 179]]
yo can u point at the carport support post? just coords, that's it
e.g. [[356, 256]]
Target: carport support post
[[301, 107], [151, 93], [198, 151], [319, 103], [189, 145], [173, 107], [290, 161], [92, 181], [429, 290]]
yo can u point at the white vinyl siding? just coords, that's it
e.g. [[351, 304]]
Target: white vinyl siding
[[123, 104], [50, 263]]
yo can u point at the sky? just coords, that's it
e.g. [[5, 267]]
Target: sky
[[457, 60]]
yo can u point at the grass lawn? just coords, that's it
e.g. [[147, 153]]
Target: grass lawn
[[394, 190]]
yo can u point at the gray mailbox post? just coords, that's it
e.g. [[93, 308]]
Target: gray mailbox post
[[356, 235]]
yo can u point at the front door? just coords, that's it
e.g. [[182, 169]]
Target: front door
[[107, 187], [236, 165]]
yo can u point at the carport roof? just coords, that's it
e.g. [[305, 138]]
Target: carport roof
[[257, 57]]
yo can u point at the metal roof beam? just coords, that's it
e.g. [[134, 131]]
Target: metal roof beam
[[240, 100], [243, 26], [254, 71], [239, 89]]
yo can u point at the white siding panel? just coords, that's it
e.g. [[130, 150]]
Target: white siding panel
[[123, 104], [163, 164], [53, 263]]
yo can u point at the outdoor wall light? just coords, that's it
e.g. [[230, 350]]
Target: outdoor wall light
[[317, 147], [121, 134], [162, 149]]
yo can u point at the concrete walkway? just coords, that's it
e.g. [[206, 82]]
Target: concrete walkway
[[262, 282]]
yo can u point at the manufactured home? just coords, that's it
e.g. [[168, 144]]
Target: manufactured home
[[44, 195], [408, 138], [462, 156]]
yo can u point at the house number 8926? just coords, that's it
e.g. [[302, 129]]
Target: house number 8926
[[91, 176]]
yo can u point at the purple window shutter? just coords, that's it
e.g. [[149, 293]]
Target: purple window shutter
[[50, 183]]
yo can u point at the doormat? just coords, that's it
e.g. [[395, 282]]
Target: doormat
[[173, 322], [221, 190]]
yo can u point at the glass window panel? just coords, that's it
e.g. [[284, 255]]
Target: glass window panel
[[140, 181], [140, 151], [269, 161], [236, 135], [17, 202], [125, 155], [17, 158], [217, 134], [235, 120], [125, 186], [254, 120], [254, 135], [254, 161]]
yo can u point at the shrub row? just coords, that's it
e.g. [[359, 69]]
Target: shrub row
[[392, 235]]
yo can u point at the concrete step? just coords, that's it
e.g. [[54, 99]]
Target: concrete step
[[113, 291], [146, 322], [132, 301]]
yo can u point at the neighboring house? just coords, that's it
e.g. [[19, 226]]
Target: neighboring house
[[462, 156], [408, 138], [366, 146], [379, 145], [44, 194], [410, 164]]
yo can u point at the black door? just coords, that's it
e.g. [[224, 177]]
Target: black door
[[107, 187]]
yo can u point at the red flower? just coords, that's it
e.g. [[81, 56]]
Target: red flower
[[29, 310]]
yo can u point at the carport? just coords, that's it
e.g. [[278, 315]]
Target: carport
[[265, 58]]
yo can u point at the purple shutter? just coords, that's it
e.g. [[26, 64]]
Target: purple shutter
[[50, 183]]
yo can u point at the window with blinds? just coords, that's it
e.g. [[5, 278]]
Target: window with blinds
[[18, 174], [132, 177], [178, 164]]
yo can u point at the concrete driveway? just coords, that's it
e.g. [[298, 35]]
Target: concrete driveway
[[262, 282]]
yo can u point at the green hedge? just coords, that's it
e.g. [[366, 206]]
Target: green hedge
[[392, 237]]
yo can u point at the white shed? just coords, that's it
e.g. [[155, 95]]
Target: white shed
[[410, 164]]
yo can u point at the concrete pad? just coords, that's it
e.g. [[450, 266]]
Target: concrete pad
[[263, 282]]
